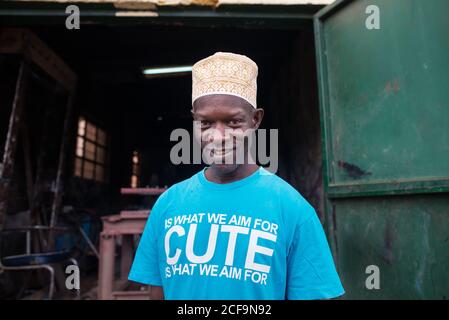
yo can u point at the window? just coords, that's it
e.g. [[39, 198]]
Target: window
[[135, 176], [91, 151]]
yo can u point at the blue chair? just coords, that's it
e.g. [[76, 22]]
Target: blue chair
[[37, 260]]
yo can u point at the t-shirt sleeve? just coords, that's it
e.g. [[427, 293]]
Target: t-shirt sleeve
[[311, 272], [145, 267]]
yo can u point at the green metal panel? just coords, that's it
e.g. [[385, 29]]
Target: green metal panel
[[384, 103], [387, 91], [405, 236]]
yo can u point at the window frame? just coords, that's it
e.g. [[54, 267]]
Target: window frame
[[97, 145], [136, 168]]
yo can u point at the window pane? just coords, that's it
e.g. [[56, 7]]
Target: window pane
[[101, 137], [99, 173], [88, 170], [82, 127], [100, 155], [78, 167], [135, 157], [134, 181], [80, 147], [90, 151], [91, 132]]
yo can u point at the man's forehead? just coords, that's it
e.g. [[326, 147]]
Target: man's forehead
[[230, 111], [231, 102]]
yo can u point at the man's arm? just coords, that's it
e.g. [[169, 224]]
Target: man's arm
[[157, 293], [311, 269]]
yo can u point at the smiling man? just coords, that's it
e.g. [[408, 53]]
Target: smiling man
[[233, 230]]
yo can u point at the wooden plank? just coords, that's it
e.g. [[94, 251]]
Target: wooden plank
[[9, 154], [23, 41], [27, 159], [143, 191], [57, 201]]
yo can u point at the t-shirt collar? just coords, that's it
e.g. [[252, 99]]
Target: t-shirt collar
[[226, 186]]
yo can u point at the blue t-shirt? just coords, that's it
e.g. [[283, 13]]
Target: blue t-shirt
[[255, 238]]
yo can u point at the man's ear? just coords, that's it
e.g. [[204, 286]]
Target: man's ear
[[257, 117]]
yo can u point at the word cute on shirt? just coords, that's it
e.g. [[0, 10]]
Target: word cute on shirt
[[239, 229]]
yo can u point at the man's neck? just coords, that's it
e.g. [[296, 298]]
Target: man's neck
[[216, 175]]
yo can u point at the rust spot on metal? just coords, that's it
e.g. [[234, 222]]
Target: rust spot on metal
[[352, 170], [392, 86]]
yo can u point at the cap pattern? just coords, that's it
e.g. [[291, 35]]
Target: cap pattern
[[225, 73]]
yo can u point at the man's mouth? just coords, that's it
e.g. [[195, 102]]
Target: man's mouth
[[222, 152]]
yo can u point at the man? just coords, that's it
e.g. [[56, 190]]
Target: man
[[233, 230]]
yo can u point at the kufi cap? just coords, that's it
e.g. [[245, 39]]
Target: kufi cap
[[225, 73]]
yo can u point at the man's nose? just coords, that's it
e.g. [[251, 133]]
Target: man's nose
[[219, 133]]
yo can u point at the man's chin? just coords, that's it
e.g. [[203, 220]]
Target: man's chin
[[224, 168]]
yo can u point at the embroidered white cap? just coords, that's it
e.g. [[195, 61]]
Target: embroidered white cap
[[225, 73]]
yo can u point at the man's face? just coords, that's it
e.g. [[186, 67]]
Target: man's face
[[223, 122]]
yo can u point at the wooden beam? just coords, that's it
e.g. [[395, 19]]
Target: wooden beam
[[27, 159], [36, 217], [23, 41], [9, 154], [63, 151]]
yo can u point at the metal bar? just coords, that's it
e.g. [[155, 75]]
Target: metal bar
[[323, 101], [287, 12], [7, 169], [89, 243], [51, 289], [106, 267], [388, 187], [257, 17], [57, 202], [27, 157], [28, 235], [39, 178]]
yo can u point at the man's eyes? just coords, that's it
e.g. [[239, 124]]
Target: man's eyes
[[205, 123], [235, 122], [232, 122]]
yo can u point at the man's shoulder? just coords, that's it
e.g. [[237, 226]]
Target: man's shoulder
[[275, 183], [290, 198]]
